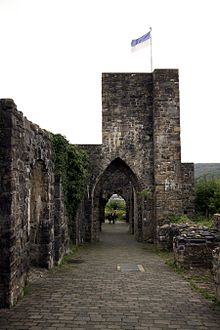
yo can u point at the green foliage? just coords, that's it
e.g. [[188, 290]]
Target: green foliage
[[71, 163], [146, 193], [207, 200], [26, 290], [198, 219], [72, 251], [203, 221], [60, 146], [116, 205], [173, 218], [76, 176], [196, 281]]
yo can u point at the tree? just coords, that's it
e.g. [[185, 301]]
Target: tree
[[207, 199]]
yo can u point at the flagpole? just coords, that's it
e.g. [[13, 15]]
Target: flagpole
[[151, 53]]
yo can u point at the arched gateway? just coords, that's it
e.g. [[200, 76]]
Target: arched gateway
[[119, 178], [140, 155]]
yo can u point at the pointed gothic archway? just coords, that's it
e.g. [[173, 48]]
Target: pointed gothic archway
[[117, 178]]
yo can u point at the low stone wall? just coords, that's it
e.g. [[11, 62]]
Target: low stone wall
[[216, 270], [167, 232], [192, 244], [193, 248]]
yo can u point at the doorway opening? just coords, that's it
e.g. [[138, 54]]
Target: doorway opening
[[115, 210]]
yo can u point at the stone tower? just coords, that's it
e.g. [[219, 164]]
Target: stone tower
[[140, 154]]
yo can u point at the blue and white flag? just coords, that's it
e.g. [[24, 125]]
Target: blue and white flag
[[145, 37]]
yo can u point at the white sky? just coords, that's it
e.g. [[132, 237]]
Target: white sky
[[52, 54]]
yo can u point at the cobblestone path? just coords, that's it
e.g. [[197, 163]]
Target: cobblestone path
[[95, 294]]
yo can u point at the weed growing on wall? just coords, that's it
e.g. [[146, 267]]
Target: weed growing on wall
[[71, 163]]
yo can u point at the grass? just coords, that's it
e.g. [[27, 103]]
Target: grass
[[196, 220], [71, 252], [204, 292], [66, 258], [173, 218], [203, 221], [26, 290]]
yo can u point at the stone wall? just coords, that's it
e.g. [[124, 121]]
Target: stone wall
[[216, 270], [61, 235], [33, 227]]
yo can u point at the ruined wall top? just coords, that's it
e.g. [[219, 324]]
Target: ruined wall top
[[9, 109]]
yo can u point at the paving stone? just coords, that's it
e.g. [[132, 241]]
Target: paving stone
[[94, 295]]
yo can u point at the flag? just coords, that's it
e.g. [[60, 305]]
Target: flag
[[145, 37]]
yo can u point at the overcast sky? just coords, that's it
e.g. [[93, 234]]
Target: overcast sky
[[54, 51]]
